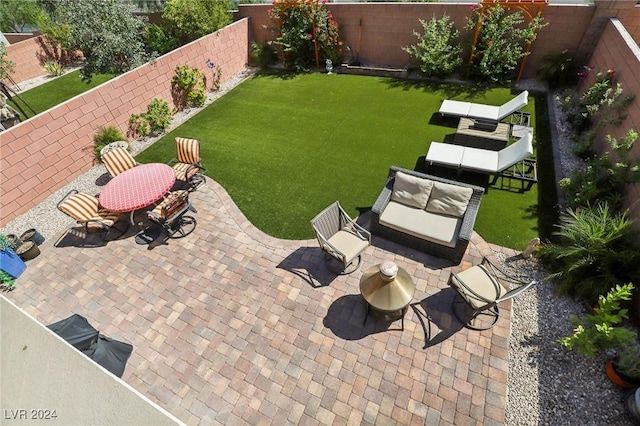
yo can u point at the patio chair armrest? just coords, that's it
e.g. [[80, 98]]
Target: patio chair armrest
[[86, 223], [155, 217]]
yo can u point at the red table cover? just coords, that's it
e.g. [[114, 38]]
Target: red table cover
[[138, 187]]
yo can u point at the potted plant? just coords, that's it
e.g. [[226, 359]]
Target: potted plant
[[603, 329], [10, 262], [624, 368]]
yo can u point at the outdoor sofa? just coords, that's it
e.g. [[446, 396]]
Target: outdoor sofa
[[428, 213]]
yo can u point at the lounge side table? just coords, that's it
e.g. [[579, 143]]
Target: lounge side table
[[138, 187], [387, 289]]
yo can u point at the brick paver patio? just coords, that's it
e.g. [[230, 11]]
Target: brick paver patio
[[231, 326]]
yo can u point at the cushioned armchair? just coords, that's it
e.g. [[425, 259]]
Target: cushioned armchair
[[341, 238], [170, 214], [480, 289], [425, 212]]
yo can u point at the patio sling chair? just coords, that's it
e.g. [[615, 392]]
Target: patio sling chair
[[480, 160], [341, 238], [489, 112], [118, 160], [480, 289], [187, 165], [86, 210], [170, 214]]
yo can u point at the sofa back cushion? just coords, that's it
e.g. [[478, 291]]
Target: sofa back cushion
[[411, 190], [449, 199]]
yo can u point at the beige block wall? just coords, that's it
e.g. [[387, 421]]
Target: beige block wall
[[618, 51], [46, 152], [24, 55], [44, 375], [379, 30]]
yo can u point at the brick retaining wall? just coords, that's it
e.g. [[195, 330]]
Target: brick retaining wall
[[44, 153]]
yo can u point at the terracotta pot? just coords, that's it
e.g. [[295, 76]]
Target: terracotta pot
[[618, 379]]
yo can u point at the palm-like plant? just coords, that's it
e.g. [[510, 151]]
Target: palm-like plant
[[595, 253]]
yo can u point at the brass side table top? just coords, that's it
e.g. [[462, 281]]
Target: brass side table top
[[387, 287]]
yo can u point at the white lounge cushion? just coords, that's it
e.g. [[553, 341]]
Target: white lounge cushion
[[518, 151], [449, 199], [411, 190], [458, 108], [480, 159], [445, 153], [489, 112], [420, 223]]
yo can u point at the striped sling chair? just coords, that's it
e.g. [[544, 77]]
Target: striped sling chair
[[118, 160], [86, 210], [187, 165]]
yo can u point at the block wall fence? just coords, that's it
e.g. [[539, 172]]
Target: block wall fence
[[617, 50], [42, 154], [376, 32]]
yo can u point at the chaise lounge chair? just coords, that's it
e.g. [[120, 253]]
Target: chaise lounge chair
[[488, 112], [480, 160]]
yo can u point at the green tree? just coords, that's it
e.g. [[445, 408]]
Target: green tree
[[298, 27], [191, 19], [15, 15], [107, 33], [437, 52], [502, 41], [6, 66]]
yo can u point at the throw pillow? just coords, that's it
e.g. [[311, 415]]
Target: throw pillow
[[411, 190], [449, 199]]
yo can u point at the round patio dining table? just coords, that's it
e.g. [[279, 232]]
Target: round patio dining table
[[138, 187]]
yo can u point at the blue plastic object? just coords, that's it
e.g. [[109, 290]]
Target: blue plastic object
[[11, 263]]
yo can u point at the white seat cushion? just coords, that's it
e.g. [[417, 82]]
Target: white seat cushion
[[479, 280], [420, 223], [445, 153], [349, 244]]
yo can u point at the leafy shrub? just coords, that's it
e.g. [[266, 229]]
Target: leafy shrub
[[105, 136], [596, 251], [262, 54], [156, 119], [300, 28], [188, 86], [158, 40], [53, 68], [107, 33], [558, 69], [606, 176], [436, 52], [603, 329], [188, 20], [501, 43]]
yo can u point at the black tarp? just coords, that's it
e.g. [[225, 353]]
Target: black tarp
[[110, 354]]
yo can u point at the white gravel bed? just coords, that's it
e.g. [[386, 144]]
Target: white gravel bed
[[547, 385]]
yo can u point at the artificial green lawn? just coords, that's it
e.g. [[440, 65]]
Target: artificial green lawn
[[56, 91], [285, 147]]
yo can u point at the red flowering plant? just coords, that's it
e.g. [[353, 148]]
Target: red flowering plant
[[306, 33]]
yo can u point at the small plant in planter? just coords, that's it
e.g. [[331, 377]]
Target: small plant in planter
[[626, 366], [105, 136], [603, 329]]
